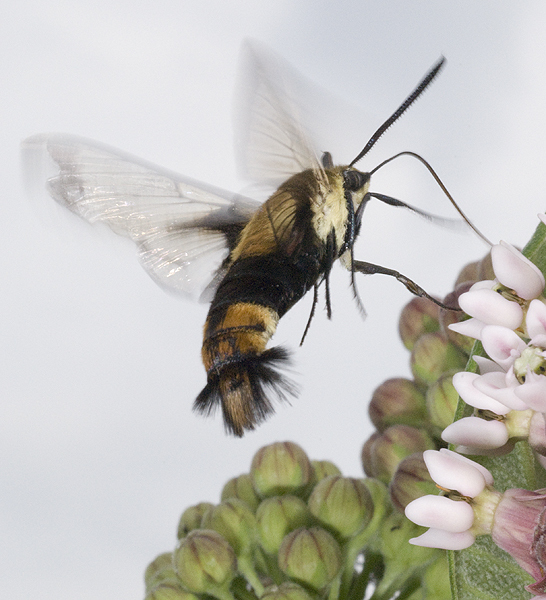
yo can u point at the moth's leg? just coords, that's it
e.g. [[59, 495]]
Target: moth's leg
[[367, 268]]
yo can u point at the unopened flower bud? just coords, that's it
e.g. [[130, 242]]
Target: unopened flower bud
[[395, 444], [448, 317], [160, 571], [441, 401], [367, 453], [342, 504], [286, 591], [397, 401], [418, 317], [311, 556], [281, 468], [168, 591], [241, 488], [469, 273], [205, 563], [323, 468], [410, 481], [234, 520], [278, 516], [191, 518], [433, 355]]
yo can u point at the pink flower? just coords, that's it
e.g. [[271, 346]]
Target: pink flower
[[451, 519]]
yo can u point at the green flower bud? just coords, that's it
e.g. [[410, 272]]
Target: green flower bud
[[166, 591], [342, 504], [241, 488], [367, 453], [234, 520], [160, 570], [311, 556], [441, 402], [278, 516], [418, 317], [286, 591], [410, 481], [432, 355], [397, 401], [323, 468], [191, 518], [281, 468], [448, 317], [205, 563], [395, 444]]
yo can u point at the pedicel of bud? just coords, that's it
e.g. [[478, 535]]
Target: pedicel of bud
[[281, 468], [449, 317], [342, 504], [395, 444], [441, 401], [241, 487], [323, 468], [410, 481], [191, 518], [160, 571], [286, 591], [418, 317], [169, 591], [311, 556], [278, 516], [397, 401], [433, 355], [205, 563], [367, 453]]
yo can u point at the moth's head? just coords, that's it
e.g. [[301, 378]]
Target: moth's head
[[356, 183]]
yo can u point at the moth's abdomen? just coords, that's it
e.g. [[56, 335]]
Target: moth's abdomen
[[243, 376], [241, 373]]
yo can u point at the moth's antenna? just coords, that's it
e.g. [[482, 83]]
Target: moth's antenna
[[424, 83], [442, 186]]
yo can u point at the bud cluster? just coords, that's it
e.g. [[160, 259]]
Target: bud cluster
[[290, 529]]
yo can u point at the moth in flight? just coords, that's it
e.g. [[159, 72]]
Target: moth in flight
[[264, 257]]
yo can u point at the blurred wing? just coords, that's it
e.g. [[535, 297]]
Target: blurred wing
[[271, 143], [183, 229]]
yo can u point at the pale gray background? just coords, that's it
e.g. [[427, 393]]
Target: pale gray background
[[99, 449]]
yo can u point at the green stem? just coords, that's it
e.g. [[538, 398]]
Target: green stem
[[373, 564], [240, 591]]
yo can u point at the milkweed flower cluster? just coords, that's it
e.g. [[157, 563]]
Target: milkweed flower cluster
[[508, 397]]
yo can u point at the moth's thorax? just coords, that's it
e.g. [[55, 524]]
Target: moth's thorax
[[330, 211]]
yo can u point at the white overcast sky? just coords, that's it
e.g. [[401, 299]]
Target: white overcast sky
[[99, 449]]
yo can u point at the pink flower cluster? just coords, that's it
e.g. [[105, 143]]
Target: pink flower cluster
[[508, 315]]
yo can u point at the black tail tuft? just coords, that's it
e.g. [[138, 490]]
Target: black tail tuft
[[244, 387]]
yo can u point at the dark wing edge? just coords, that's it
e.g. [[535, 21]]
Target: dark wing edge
[[183, 229]]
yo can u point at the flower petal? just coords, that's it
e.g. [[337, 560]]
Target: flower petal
[[535, 321], [437, 538], [502, 344], [485, 472], [486, 365], [516, 272], [472, 328], [463, 383], [494, 385], [448, 470], [476, 432], [491, 308], [441, 513], [533, 392]]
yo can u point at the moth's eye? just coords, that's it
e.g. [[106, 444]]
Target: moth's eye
[[354, 179]]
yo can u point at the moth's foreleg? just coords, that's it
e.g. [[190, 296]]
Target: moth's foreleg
[[367, 268]]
